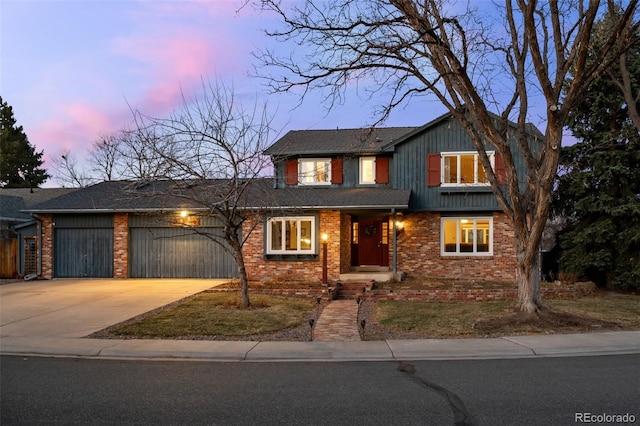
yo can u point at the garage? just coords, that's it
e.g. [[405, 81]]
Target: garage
[[177, 247], [83, 246]]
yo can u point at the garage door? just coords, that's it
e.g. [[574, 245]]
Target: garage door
[[83, 246], [160, 251]]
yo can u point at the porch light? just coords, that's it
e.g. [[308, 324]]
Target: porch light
[[324, 237], [184, 213]]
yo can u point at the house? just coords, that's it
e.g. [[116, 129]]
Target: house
[[379, 203], [18, 229]]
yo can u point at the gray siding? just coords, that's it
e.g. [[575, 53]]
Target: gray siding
[[83, 246], [157, 250], [410, 171], [83, 252]]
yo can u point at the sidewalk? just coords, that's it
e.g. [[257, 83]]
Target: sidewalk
[[391, 350], [52, 318]]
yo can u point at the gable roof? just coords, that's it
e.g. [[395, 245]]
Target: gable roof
[[358, 141], [14, 201], [159, 196], [338, 141]]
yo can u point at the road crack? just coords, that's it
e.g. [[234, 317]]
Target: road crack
[[461, 416]]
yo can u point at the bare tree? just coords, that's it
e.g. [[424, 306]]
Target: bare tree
[[67, 172], [484, 75], [211, 151]]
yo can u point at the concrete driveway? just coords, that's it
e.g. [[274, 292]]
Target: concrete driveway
[[79, 307]]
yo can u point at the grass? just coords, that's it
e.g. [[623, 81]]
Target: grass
[[219, 314], [476, 319], [438, 319]]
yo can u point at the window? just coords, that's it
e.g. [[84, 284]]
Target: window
[[374, 170], [367, 170], [463, 168], [291, 235], [314, 171], [467, 236]]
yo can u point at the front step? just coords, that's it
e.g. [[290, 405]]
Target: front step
[[353, 289], [366, 276]]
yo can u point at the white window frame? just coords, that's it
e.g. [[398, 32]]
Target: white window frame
[[302, 176], [361, 174], [476, 164], [459, 220], [299, 236]]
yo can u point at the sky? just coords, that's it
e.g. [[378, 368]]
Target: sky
[[73, 70]]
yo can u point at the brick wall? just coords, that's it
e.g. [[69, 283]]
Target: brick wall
[[121, 245], [47, 246], [419, 251], [261, 269]]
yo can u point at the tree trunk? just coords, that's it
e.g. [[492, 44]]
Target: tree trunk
[[528, 276], [236, 248]]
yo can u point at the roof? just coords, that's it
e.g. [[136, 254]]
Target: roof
[[124, 196], [13, 201], [358, 141], [338, 141]]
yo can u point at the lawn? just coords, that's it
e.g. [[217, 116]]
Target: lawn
[[218, 316]]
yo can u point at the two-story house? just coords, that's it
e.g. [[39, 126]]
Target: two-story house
[[342, 204], [430, 210]]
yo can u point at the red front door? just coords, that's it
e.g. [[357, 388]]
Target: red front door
[[373, 243]]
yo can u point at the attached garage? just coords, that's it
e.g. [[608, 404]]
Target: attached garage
[[175, 247], [83, 246]]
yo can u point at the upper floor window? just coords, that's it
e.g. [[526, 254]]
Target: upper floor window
[[373, 170], [467, 236], [314, 171], [291, 235], [367, 170], [463, 168]]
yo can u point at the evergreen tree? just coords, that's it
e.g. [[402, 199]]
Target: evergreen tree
[[599, 187], [20, 164]]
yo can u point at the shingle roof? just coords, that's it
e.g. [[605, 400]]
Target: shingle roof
[[167, 195], [14, 200], [338, 141]]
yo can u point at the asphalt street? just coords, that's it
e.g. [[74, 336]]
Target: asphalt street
[[538, 391]]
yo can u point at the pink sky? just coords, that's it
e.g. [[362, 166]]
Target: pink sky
[[72, 70]]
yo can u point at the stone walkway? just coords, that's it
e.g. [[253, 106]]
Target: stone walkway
[[338, 322]]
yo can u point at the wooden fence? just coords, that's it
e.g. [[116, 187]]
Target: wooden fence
[[8, 257]]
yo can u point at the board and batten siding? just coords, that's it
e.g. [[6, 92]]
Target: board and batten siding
[[83, 246], [410, 171], [158, 249]]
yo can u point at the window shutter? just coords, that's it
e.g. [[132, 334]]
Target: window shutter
[[336, 170], [500, 171], [382, 169], [433, 170], [291, 172]]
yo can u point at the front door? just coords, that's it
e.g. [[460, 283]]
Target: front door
[[373, 242]]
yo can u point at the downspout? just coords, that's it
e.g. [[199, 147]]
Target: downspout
[[394, 256]]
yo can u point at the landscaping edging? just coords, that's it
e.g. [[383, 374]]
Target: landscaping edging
[[456, 293]]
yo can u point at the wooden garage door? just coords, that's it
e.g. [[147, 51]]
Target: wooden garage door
[[176, 252], [83, 246]]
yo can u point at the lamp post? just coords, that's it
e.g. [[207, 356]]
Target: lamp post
[[325, 237]]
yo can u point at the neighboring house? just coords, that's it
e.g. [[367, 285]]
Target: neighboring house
[[382, 203], [18, 228]]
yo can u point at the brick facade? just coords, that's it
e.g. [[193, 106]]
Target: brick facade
[[121, 245], [47, 245], [261, 269], [419, 251]]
